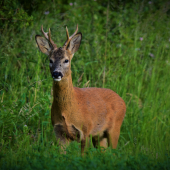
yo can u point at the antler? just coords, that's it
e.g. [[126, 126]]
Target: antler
[[48, 38], [69, 38]]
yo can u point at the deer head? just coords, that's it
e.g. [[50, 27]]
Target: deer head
[[60, 58]]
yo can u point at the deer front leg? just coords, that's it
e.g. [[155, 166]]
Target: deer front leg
[[83, 143], [61, 136]]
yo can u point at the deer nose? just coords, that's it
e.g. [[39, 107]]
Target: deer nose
[[57, 75]]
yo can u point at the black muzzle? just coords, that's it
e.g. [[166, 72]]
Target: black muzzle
[[57, 75]]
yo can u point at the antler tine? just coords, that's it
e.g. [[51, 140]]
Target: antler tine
[[67, 33], [74, 32], [45, 34], [51, 41], [48, 38], [69, 38]]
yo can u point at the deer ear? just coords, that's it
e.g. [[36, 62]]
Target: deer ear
[[75, 43], [43, 44]]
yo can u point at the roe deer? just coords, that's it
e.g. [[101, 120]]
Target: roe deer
[[78, 113]]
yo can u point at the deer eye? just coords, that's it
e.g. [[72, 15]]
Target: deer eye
[[51, 61], [66, 61]]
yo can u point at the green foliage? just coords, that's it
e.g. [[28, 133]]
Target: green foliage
[[13, 16], [125, 47], [39, 157]]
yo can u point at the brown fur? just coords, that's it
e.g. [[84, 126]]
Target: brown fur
[[78, 113], [92, 111]]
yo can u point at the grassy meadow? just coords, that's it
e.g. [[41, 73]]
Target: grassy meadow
[[125, 48]]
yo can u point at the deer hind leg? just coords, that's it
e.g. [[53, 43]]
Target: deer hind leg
[[99, 142], [113, 136], [103, 143]]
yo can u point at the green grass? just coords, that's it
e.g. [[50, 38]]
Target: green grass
[[112, 55]]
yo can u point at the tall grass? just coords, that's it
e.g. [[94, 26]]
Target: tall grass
[[126, 51]]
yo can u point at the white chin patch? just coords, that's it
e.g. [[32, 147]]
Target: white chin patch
[[57, 79]]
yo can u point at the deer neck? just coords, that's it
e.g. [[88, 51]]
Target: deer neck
[[63, 93]]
